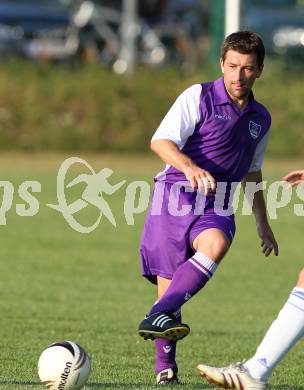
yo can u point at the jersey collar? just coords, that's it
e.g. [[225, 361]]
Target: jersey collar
[[221, 96]]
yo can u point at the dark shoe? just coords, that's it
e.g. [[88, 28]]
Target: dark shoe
[[167, 377], [163, 326]]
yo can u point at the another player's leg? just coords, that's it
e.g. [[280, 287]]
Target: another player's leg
[[282, 335], [165, 363], [235, 376], [210, 246]]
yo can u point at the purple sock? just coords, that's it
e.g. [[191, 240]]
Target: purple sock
[[187, 280], [166, 352]]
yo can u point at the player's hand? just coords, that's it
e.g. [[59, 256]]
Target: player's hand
[[200, 179], [268, 243], [294, 178]]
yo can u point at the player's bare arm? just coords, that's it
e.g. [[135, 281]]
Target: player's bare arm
[[268, 241], [295, 177], [169, 152]]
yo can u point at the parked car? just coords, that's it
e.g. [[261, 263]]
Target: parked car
[[279, 22], [289, 43], [37, 29], [71, 29]]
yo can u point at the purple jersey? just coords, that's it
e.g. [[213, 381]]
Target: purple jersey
[[218, 137], [225, 138]]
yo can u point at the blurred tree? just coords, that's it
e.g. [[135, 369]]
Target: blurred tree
[[216, 28]]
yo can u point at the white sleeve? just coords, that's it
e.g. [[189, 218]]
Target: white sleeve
[[180, 121], [258, 157]]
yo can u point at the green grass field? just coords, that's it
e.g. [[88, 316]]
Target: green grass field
[[59, 284]]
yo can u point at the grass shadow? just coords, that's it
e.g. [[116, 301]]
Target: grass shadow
[[140, 386], [97, 385], [284, 387], [20, 383]]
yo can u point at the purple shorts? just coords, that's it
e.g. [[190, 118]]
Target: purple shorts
[[174, 220]]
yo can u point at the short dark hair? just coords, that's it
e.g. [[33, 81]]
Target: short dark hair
[[244, 42]]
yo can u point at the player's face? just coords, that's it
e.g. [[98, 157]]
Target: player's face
[[240, 72]]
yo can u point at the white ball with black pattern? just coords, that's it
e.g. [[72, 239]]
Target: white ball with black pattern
[[64, 366]]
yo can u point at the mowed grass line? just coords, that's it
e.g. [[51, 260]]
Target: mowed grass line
[[59, 284]]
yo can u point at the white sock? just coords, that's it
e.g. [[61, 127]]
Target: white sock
[[283, 334]]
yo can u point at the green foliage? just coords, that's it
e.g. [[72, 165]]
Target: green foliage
[[44, 107]]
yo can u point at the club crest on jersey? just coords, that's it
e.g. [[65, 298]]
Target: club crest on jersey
[[254, 129]]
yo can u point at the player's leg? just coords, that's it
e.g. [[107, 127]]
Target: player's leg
[[210, 247], [190, 277], [162, 286], [212, 243], [282, 335], [165, 363], [300, 282]]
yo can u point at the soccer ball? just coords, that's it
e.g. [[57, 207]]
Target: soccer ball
[[64, 366]]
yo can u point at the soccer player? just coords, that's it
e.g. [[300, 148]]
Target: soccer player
[[215, 133], [282, 335]]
